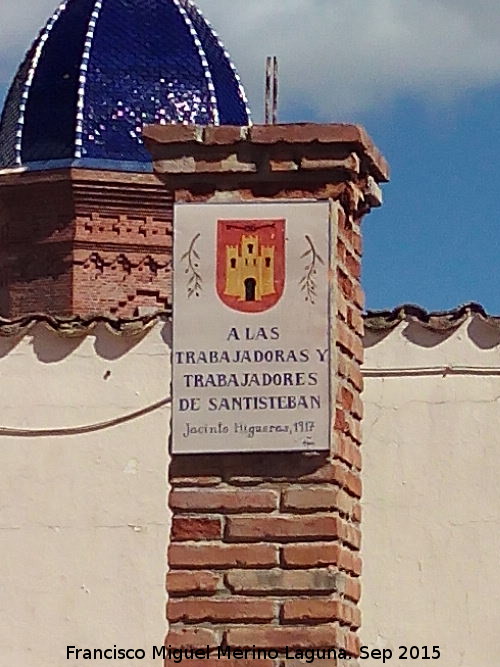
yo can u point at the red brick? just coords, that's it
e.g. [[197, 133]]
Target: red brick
[[196, 528], [351, 453], [341, 251], [227, 500], [310, 132], [359, 296], [346, 398], [353, 484], [355, 430], [283, 165], [316, 554], [310, 498], [284, 581], [224, 135], [352, 615], [280, 637], [278, 528], [341, 448], [357, 406], [343, 362], [345, 337], [350, 162], [200, 480], [220, 610], [345, 284], [355, 376], [345, 503], [229, 164], [340, 422], [355, 321], [357, 513], [185, 581], [342, 306], [350, 342], [223, 555], [352, 589], [327, 661], [353, 266], [192, 637], [330, 472], [344, 221], [313, 609], [350, 562], [351, 535], [352, 644], [172, 134], [357, 243]]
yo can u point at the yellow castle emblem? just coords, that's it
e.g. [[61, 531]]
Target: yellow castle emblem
[[249, 269]]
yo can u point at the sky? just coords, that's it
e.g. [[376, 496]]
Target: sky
[[423, 78]]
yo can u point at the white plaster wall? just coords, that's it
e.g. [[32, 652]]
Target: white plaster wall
[[83, 518], [431, 538]]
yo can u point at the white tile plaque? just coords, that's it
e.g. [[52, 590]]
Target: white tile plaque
[[251, 344]]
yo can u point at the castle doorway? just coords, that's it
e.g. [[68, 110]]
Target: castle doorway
[[250, 284]]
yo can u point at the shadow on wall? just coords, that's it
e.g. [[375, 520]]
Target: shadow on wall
[[167, 334], [373, 336], [419, 334], [8, 343], [111, 346], [483, 333], [50, 346]]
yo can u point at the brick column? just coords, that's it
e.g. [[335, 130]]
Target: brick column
[[264, 548], [77, 242]]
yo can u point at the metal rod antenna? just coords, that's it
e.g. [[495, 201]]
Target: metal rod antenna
[[275, 90], [267, 108]]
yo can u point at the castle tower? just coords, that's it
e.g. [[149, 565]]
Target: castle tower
[[85, 225], [249, 261], [267, 269]]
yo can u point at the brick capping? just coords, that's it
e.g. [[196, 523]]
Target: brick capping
[[288, 148], [305, 161]]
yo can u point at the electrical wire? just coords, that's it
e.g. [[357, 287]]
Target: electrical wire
[[77, 430], [422, 371]]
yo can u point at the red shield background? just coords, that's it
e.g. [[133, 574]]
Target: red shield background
[[234, 270]]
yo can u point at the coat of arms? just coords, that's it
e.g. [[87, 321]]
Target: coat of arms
[[250, 263]]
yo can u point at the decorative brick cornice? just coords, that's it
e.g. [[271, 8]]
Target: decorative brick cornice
[[50, 221], [16, 176]]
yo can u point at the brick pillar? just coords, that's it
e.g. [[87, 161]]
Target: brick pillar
[[76, 242], [264, 548]]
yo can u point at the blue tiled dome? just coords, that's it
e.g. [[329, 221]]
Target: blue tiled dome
[[101, 69]]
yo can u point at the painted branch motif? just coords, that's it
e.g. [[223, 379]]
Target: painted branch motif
[[307, 283], [192, 261]]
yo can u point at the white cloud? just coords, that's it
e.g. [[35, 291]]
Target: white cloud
[[337, 57], [343, 56], [20, 21]]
